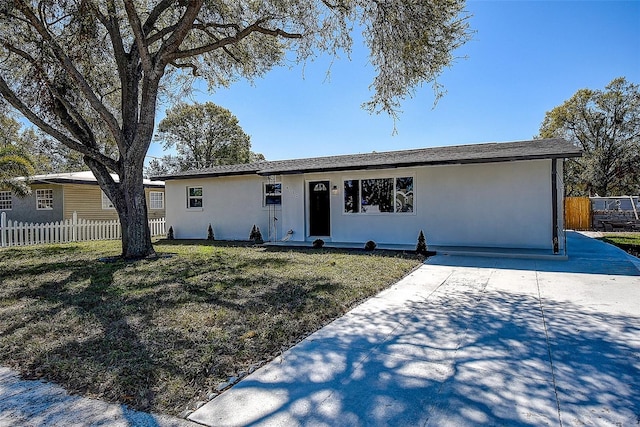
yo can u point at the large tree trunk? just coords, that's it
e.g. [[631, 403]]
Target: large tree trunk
[[136, 237], [128, 198]]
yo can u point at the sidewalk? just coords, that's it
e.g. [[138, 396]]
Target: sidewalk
[[37, 404]]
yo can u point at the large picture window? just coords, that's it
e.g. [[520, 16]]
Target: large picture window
[[378, 195], [6, 201], [194, 197], [44, 199]]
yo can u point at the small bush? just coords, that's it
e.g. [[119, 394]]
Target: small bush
[[256, 235], [170, 234], [210, 235], [370, 245], [421, 247], [318, 243]]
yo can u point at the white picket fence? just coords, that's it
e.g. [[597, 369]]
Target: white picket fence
[[14, 233]]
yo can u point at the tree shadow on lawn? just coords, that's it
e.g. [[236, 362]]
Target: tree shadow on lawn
[[455, 359], [157, 342]]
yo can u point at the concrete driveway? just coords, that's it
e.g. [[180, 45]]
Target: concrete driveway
[[465, 341]]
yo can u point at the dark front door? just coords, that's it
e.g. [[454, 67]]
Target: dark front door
[[319, 210]]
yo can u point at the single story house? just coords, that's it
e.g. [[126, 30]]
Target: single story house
[[55, 197], [500, 195]]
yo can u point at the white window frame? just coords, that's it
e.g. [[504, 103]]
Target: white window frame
[[190, 197], [277, 193], [106, 202], [156, 200], [44, 195], [6, 201], [394, 196]]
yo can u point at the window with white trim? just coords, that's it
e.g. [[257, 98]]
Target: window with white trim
[[44, 199], [272, 192], [194, 197], [106, 202], [156, 200], [378, 195], [6, 201]]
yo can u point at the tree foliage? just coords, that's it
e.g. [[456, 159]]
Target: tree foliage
[[14, 159], [47, 156], [606, 125], [91, 73], [14, 163], [204, 135]]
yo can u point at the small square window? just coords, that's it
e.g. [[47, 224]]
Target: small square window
[[194, 197], [6, 201], [44, 199], [156, 200], [272, 193], [106, 202]]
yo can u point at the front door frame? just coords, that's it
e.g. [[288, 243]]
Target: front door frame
[[308, 197]]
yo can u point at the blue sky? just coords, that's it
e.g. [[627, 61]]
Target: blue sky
[[526, 57]]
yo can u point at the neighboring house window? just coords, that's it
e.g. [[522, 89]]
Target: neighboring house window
[[156, 199], [378, 195], [6, 202], [272, 193], [106, 202], [44, 198], [194, 197]]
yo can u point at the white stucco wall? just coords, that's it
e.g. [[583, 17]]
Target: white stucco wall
[[230, 204], [494, 205]]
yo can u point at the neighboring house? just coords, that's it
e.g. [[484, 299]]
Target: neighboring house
[[507, 195], [56, 197]]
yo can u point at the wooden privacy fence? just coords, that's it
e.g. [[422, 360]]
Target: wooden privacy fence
[[14, 233], [577, 213]]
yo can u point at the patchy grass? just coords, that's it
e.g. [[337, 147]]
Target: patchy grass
[[629, 241], [161, 334]]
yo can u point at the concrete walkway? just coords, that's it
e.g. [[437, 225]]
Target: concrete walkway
[[465, 341], [461, 341], [36, 403]]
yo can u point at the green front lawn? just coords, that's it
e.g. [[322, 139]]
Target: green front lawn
[[159, 335], [629, 241]]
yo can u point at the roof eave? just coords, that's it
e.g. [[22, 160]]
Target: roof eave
[[203, 175], [268, 172]]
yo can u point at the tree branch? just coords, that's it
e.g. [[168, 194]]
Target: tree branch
[[70, 68], [155, 13], [138, 33], [72, 119], [172, 44], [13, 99], [253, 28]]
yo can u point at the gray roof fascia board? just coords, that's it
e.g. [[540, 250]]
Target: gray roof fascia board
[[204, 174], [216, 171]]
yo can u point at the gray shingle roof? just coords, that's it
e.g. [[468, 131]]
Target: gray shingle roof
[[460, 154]]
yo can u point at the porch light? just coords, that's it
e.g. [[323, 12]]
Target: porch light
[[334, 190]]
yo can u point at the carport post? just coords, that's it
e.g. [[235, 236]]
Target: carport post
[[554, 204]]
